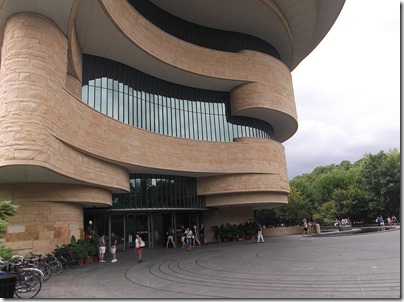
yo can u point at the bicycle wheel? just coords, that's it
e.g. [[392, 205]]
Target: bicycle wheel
[[63, 261], [38, 272], [46, 270], [28, 286], [56, 267], [71, 261]]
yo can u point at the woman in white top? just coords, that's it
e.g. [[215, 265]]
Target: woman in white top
[[189, 238], [138, 247]]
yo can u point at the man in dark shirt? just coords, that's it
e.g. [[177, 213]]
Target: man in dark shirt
[[114, 242], [202, 234]]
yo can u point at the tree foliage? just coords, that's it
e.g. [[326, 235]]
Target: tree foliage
[[7, 209], [359, 191], [381, 179]]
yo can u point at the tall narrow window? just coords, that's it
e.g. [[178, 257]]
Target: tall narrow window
[[142, 101]]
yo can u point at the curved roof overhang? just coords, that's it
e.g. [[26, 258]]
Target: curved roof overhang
[[293, 27]]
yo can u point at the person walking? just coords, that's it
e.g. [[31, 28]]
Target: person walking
[[259, 235], [114, 242], [170, 237], [195, 234], [139, 244], [202, 234], [189, 237], [305, 229], [101, 248], [381, 220], [183, 234]]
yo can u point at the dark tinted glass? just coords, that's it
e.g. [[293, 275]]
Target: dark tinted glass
[[159, 191], [146, 102]]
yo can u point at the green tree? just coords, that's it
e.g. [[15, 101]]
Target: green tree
[[381, 177], [325, 214], [295, 211], [369, 187], [7, 209], [266, 217]]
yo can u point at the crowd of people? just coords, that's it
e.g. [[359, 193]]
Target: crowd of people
[[193, 236], [190, 236], [342, 222], [390, 220]]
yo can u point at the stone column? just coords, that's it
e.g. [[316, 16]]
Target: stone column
[[32, 76]]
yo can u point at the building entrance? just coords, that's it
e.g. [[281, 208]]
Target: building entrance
[[160, 224], [151, 226], [137, 223]]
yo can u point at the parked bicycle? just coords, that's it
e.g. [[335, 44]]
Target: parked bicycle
[[28, 284], [55, 265], [66, 256], [47, 263], [29, 267]]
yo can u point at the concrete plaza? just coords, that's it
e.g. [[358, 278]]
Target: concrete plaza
[[363, 266]]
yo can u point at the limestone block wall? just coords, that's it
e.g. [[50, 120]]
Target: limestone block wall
[[48, 214], [254, 199], [91, 132], [241, 183], [40, 226], [263, 95], [295, 230], [33, 105], [33, 85], [267, 80], [258, 188], [44, 123], [232, 215]]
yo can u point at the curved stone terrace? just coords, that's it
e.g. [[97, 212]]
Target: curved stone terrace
[[354, 230]]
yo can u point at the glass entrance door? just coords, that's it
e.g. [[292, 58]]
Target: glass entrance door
[[137, 223], [118, 227], [160, 223]]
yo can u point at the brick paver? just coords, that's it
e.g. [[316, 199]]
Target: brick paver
[[357, 266]]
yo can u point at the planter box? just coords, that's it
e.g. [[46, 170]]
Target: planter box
[[79, 261]]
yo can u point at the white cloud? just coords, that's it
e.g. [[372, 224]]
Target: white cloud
[[348, 89]]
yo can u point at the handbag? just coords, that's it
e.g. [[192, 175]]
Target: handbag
[[142, 244]]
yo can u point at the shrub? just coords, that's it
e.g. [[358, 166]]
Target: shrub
[[6, 253]]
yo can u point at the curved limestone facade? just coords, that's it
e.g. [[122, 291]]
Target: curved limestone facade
[[74, 139]]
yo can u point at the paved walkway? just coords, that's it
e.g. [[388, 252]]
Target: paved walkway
[[358, 266]]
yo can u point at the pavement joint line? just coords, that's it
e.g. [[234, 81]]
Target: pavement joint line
[[290, 269]]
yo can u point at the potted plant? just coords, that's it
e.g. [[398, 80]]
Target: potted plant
[[241, 233], [81, 253], [216, 231], [92, 252], [233, 231], [249, 230], [224, 232], [88, 260]]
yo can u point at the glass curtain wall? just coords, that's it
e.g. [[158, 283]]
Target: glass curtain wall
[[145, 102], [159, 192]]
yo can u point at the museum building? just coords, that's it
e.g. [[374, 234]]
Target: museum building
[[138, 115]]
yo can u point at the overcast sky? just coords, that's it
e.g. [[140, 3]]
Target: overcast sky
[[347, 90]]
